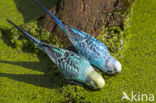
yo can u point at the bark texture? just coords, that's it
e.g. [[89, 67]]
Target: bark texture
[[87, 15]]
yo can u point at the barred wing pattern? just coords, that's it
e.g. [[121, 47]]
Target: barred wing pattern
[[85, 44], [67, 61]]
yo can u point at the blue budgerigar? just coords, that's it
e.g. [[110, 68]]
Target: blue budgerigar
[[73, 66], [86, 45]]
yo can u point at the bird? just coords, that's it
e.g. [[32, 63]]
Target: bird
[[74, 67], [88, 46]]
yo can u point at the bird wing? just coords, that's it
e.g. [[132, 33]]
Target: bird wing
[[67, 62], [52, 53], [73, 34], [85, 44], [70, 64]]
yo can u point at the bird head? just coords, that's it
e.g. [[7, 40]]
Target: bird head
[[113, 65], [94, 80]]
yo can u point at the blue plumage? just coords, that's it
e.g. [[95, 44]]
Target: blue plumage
[[86, 45], [71, 65]]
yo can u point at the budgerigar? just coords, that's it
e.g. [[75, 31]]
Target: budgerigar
[[88, 46], [73, 66]]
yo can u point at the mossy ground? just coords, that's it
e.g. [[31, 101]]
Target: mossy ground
[[26, 76]]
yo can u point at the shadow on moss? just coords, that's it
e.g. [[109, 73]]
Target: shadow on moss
[[30, 9], [13, 38], [52, 78]]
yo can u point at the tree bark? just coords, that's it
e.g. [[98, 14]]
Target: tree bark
[[87, 15]]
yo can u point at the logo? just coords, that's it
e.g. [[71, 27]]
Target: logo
[[138, 97]]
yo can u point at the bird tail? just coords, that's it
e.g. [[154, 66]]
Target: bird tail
[[41, 45], [34, 40], [59, 22]]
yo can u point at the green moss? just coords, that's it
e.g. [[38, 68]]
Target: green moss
[[29, 77], [112, 37], [125, 3], [115, 37], [21, 42]]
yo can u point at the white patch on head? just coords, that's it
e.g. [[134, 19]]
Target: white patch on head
[[118, 67], [113, 65]]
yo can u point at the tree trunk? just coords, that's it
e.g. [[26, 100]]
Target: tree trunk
[[90, 16]]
